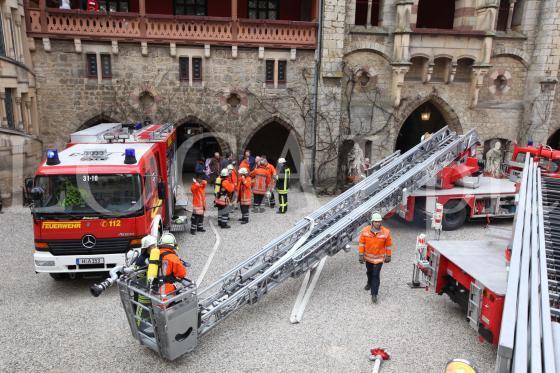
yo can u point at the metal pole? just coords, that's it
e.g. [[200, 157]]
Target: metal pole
[[318, 57]]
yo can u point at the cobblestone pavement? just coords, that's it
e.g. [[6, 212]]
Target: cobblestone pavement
[[49, 325]]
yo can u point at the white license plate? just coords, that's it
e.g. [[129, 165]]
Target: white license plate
[[80, 261]]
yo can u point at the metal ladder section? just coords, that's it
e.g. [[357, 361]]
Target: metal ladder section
[[330, 228], [527, 342]]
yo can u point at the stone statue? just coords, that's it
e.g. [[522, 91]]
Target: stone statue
[[494, 158], [355, 162]]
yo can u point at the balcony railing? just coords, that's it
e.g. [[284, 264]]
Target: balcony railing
[[56, 23]]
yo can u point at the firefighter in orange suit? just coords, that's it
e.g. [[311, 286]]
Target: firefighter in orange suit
[[244, 194], [261, 182], [171, 268], [198, 189], [374, 249], [273, 177], [223, 199]]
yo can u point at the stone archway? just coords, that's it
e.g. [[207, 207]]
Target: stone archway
[[440, 114], [554, 140], [98, 119], [197, 140], [275, 139]]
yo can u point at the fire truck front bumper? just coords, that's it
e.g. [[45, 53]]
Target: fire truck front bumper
[[45, 262]]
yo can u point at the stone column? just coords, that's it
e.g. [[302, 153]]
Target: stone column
[[234, 28], [142, 14], [43, 12], [510, 14], [17, 114], [368, 15], [477, 81], [397, 81], [542, 76], [401, 48], [3, 120], [27, 115]]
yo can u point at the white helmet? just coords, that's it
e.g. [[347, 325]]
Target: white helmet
[[148, 241], [376, 217], [243, 171], [230, 167], [168, 239], [224, 172], [281, 160]]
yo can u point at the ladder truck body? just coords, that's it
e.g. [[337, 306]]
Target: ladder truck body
[[93, 201], [467, 193], [509, 289], [178, 322]]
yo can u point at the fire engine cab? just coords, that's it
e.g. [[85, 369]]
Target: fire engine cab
[[93, 201]]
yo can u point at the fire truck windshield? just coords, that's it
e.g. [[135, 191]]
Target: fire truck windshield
[[93, 195]]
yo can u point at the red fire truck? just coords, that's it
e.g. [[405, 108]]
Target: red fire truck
[[466, 193], [113, 184]]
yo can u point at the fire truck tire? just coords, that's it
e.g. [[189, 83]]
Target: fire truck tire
[[58, 276], [454, 215]]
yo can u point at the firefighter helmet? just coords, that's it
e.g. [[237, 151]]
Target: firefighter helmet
[[243, 171], [224, 172], [148, 241], [376, 217], [168, 239]]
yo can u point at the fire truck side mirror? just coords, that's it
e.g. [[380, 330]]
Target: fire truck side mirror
[[161, 190], [28, 183]]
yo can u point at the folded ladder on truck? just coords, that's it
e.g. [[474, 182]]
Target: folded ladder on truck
[[326, 231]]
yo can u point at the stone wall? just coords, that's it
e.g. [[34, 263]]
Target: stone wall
[[19, 156], [68, 99]]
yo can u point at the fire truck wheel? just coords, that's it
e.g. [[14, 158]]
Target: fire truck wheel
[[454, 215], [58, 276]]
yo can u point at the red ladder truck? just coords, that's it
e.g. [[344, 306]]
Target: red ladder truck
[[466, 193], [93, 201]]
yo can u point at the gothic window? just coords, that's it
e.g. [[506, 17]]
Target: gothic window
[[190, 7], [269, 73], [2, 45], [197, 68], [437, 14], [417, 69], [184, 68], [464, 70], [106, 72], [281, 71], [503, 12], [263, 9], [361, 16], [9, 106], [91, 65]]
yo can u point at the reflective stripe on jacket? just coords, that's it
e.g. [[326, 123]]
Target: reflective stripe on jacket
[[224, 195], [244, 191], [171, 268], [261, 180], [199, 197], [283, 182], [375, 246]]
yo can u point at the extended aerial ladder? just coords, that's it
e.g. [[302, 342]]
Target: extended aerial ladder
[[530, 329], [175, 323]]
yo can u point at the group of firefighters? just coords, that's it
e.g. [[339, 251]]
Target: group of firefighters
[[248, 185]]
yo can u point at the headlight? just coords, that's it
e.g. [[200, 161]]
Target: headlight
[[460, 366], [44, 263]]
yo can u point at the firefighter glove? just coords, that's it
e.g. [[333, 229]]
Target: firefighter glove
[[387, 259], [361, 259]]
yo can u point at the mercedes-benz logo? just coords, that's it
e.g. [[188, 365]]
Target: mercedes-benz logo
[[88, 241]]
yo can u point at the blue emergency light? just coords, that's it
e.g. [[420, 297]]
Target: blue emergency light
[[137, 126], [529, 142], [129, 156], [52, 157]]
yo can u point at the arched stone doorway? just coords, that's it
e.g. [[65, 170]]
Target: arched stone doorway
[[426, 118], [276, 139], [195, 140], [98, 119], [554, 140]]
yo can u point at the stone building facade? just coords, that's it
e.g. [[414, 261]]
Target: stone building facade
[[20, 147], [389, 71]]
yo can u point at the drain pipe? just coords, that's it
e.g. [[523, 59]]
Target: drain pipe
[[318, 57]]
